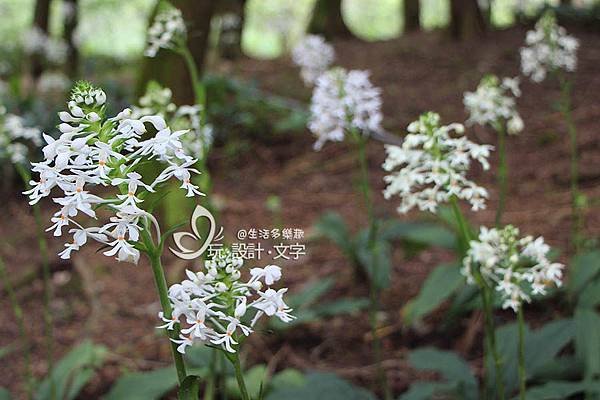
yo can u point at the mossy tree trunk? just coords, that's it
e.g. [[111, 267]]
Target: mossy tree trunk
[[467, 20], [412, 15], [168, 68], [41, 16], [327, 20], [70, 24]]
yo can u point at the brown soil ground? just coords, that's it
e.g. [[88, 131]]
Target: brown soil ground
[[116, 305]]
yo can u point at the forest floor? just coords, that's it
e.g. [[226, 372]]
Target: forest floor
[[116, 305]]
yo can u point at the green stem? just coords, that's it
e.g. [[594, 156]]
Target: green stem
[[25, 341], [154, 254], [463, 228], [522, 374], [209, 388], [373, 289], [199, 91], [47, 286], [566, 109], [502, 175], [239, 375], [490, 334]]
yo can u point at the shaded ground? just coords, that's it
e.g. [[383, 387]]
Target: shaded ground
[[116, 304]]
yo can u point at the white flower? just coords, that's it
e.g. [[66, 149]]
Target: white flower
[[516, 268], [213, 306], [434, 161], [35, 41], [95, 152], [314, 56], [16, 138], [493, 104], [548, 48], [344, 101], [168, 28]]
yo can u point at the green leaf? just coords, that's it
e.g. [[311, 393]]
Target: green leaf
[[189, 388], [287, 378], [332, 226], [560, 390], [590, 296], [5, 394], [587, 341], [376, 259], [426, 390], [441, 283], [255, 378], [319, 386], [72, 372], [341, 307], [418, 235], [311, 293], [151, 385], [584, 268], [450, 366], [541, 347]]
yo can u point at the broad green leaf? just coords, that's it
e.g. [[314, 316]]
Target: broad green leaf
[[189, 388], [320, 386], [341, 307], [589, 297], [310, 293], [254, 378], [560, 368], [332, 226], [287, 378], [441, 283], [587, 341], [418, 234], [5, 394], [426, 390], [560, 390], [451, 367], [376, 259], [72, 372], [151, 385], [541, 347], [584, 268]]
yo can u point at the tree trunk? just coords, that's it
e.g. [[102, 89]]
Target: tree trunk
[[327, 20], [70, 24], [168, 68], [412, 15], [41, 16], [467, 20], [233, 16]]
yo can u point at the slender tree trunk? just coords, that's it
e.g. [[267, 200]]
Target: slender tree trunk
[[412, 15], [169, 68], [233, 16], [41, 16], [70, 24], [467, 20], [327, 20]]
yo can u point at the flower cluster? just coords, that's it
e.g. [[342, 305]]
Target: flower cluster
[[15, 137], [517, 268], [35, 41], [493, 104], [344, 101], [548, 48], [433, 162], [167, 29], [96, 152], [158, 101], [217, 306], [314, 56]]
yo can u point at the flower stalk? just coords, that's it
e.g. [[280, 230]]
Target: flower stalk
[[239, 375], [502, 174], [24, 336]]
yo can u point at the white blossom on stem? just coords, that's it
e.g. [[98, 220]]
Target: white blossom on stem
[[314, 56], [95, 163], [516, 268], [215, 306], [493, 104], [548, 48], [344, 101], [431, 166], [166, 30]]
